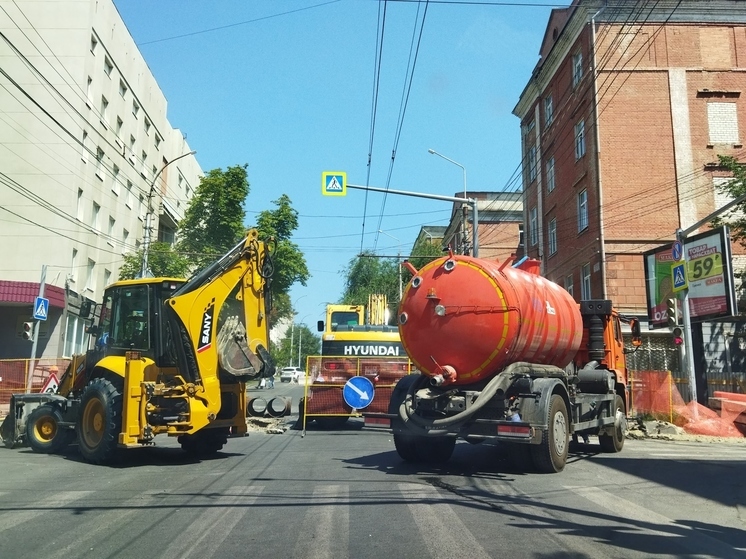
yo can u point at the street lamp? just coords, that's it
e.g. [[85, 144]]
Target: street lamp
[[463, 216], [398, 260], [292, 328], [149, 215]]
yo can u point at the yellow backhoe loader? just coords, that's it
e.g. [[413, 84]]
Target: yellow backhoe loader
[[171, 356]]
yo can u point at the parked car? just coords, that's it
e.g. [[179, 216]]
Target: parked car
[[291, 374]]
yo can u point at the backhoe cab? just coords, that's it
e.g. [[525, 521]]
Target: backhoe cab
[[170, 356]]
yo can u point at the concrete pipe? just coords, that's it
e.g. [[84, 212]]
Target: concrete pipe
[[257, 407], [279, 406]]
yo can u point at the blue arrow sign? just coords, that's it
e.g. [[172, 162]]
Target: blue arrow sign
[[41, 308], [358, 392]]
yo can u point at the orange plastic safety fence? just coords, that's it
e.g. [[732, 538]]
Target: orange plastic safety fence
[[655, 394], [328, 375], [13, 376]]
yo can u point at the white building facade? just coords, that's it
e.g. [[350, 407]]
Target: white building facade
[[84, 143]]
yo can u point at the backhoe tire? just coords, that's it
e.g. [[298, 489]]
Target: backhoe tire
[[99, 421], [615, 442], [550, 456], [43, 431], [204, 443]]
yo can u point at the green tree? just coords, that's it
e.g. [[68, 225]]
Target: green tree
[[310, 344], [736, 218], [367, 274], [425, 252], [290, 264], [163, 261], [214, 220]]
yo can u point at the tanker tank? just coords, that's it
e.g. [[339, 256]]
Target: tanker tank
[[462, 319]]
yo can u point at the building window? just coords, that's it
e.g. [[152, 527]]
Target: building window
[[100, 163], [112, 224], [147, 126], [585, 282], [143, 167], [722, 119], [533, 226], [94, 216], [115, 180], [104, 111], [88, 94], [532, 164], [76, 338], [157, 141], [135, 108], [125, 236], [74, 265], [107, 277], [577, 68], [84, 151], [154, 170], [553, 236], [548, 110], [79, 209], [569, 286], [108, 66], [122, 88], [582, 210], [550, 174], [579, 140], [90, 282], [128, 196], [94, 44]]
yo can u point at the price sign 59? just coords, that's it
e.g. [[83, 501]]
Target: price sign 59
[[705, 267]]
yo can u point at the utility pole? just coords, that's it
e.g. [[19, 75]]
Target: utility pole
[[37, 328], [149, 215]]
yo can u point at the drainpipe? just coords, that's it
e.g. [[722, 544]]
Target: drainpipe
[[601, 236]]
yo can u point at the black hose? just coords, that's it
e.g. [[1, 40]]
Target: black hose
[[435, 427]]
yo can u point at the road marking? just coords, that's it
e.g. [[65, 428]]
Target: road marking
[[326, 525], [68, 544], [203, 536], [694, 542], [51, 504], [441, 529]]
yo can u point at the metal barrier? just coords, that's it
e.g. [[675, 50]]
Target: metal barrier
[[323, 399], [14, 376]]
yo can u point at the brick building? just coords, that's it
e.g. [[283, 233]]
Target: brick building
[[622, 122]]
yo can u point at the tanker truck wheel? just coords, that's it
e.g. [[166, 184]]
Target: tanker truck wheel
[[550, 456], [43, 431], [100, 421], [615, 442]]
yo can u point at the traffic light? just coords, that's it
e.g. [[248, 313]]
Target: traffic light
[[28, 331], [672, 312], [678, 336]]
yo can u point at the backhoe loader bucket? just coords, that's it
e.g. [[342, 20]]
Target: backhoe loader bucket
[[236, 358], [13, 428]]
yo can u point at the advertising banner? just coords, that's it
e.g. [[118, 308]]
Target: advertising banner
[[709, 277]]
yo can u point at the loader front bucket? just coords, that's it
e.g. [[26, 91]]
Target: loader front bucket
[[13, 428]]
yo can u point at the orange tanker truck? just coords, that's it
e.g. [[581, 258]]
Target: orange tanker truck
[[507, 355]]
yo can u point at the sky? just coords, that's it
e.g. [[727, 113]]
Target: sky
[[288, 87]]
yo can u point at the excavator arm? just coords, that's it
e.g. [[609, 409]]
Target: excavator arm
[[212, 345]]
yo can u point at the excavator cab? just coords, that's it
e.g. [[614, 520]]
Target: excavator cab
[[132, 319]]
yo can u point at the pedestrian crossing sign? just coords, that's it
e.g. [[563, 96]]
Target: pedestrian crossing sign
[[41, 308], [678, 275], [334, 183]]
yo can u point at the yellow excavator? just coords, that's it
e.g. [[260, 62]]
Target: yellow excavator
[[171, 356]]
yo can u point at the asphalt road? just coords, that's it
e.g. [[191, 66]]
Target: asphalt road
[[346, 494]]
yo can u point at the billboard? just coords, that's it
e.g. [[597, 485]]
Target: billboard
[[709, 276]]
